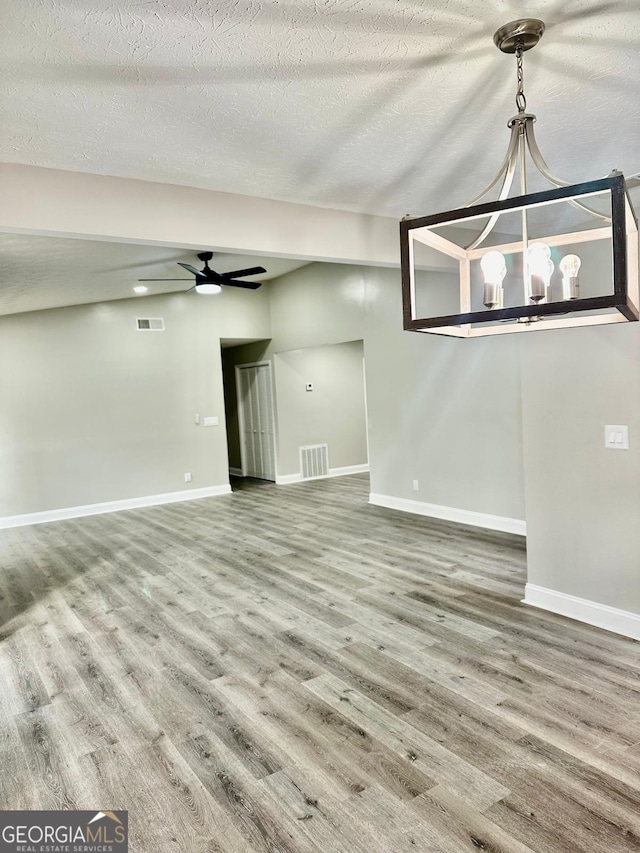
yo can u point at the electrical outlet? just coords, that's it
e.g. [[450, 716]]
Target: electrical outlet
[[187, 478], [416, 487]]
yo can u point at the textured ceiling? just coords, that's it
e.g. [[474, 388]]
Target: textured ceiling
[[51, 272], [387, 106]]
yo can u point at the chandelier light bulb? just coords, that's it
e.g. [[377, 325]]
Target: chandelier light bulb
[[540, 269], [208, 288], [542, 298], [569, 266], [494, 270]]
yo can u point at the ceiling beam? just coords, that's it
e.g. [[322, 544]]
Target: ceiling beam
[[52, 202]]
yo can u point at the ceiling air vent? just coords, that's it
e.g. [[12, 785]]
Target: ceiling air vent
[[150, 324]]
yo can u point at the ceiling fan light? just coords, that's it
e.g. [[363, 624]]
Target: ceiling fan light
[[208, 289]]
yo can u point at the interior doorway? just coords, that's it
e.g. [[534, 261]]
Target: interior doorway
[[234, 353], [256, 420]]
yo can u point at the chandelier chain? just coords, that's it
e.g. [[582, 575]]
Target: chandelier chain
[[521, 144], [521, 101]]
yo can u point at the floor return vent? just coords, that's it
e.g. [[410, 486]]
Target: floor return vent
[[314, 461]]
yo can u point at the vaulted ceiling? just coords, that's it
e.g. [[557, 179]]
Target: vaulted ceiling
[[51, 272], [384, 106]]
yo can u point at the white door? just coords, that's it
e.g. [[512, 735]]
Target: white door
[[255, 401]]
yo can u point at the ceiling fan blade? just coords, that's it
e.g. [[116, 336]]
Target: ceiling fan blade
[[189, 268], [251, 285], [164, 279], [242, 273]]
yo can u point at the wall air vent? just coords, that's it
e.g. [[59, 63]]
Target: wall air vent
[[150, 324], [314, 461]]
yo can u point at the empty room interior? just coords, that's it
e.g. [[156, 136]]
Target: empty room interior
[[320, 472]]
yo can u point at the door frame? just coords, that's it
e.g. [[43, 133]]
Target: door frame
[[243, 451]]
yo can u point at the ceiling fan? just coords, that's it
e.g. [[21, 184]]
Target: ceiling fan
[[209, 281]]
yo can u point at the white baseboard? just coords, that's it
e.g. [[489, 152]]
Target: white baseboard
[[237, 472], [349, 469], [600, 615], [111, 506], [450, 513], [286, 479]]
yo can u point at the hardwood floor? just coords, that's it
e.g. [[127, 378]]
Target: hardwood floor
[[290, 669]]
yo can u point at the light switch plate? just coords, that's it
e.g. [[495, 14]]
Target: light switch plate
[[211, 422], [616, 437]]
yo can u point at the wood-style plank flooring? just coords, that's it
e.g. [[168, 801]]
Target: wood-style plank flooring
[[290, 669]]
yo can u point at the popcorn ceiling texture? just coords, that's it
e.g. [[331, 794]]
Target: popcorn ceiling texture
[[385, 106]]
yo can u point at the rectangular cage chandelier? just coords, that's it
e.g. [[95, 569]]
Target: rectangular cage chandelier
[[539, 260]]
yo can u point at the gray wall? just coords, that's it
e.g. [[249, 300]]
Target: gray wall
[[583, 501], [444, 412], [323, 304], [333, 413], [93, 410]]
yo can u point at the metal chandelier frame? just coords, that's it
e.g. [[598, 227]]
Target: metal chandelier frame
[[516, 38], [621, 227]]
